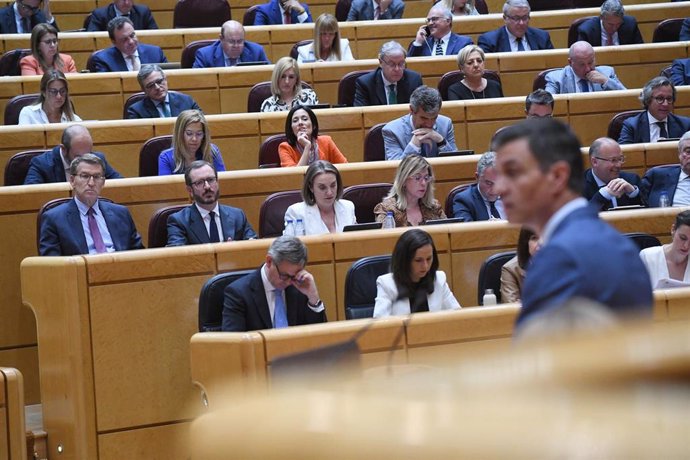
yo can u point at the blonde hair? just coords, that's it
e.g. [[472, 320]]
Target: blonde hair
[[180, 153], [465, 53], [37, 34], [283, 65], [469, 6], [327, 23], [408, 167]]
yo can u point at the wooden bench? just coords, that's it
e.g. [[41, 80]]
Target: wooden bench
[[12, 426]]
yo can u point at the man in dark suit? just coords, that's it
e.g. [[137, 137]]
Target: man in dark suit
[[437, 38], [126, 54], [140, 15], [606, 186], [230, 49], [391, 83], [673, 180], [612, 27], [206, 221], [282, 12], [53, 165], [480, 201], [22, 16], [540, 181], [279, 294], [657, 120], [158, 102], [85, 224], [363, 10], [685, 30], [680, 72], [516, 35]]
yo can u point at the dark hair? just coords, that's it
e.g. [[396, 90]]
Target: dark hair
[[682, 218], [549, 141], [539, 97], [117, 23], [291, 138], [194, 165], [314, 169], [403, 253], [523, 255]]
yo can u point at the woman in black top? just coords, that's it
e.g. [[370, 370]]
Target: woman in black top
[[474, 85]]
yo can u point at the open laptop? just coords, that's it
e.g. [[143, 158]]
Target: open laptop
[[364, 226]]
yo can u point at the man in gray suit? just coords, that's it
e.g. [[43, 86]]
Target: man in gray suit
[[363, 10], [422, 131], [582, 75]]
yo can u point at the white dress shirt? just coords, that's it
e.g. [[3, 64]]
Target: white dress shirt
[[206, 217]]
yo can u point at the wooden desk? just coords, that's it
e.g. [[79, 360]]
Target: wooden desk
[[12, 425]]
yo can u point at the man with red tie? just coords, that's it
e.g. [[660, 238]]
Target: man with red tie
[[282, 12]]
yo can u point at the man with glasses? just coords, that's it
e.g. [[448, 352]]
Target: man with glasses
[[657, 121], [279, 294], [673, 180], [612, 27], [126, 54], [206, 221], [85, 224], [480, 201], [158, 102], [539, 104], [516, 35], [376, 10], [437, 38], [582, 75], [21, 16], [140, 15], [53, 165], [230, 49], [606, 186], [391, 83]]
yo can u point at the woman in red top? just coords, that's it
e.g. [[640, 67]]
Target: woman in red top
[[304, 145]]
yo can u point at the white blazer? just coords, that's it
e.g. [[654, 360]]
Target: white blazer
[[655, 261], [310, 215], [387, 302], [34, 115], [305, 53]]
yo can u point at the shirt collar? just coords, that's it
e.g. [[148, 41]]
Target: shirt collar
[[268, 287], [386, 83], [445, 38], [682, 176], [64, 161], [599, 182], [651, 118], [204, 212], [83, 208], [559, 215]]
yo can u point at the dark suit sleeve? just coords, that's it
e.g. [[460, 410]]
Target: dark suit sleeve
[[34, 175], [646, 186], [462, 207], [678, 72], [261, 18], [485, 43], [148, 20], [97, 22], [627, 135], [110, 172], [49, 241], [309, 17], [177, 235], [415, 51], [99, 63], [161, 56], [362, 97], [134, 237], [685, 30], [133, 112], [244, 228], [234, 310]]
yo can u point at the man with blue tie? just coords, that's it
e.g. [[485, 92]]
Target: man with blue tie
[[437, 37], [230, 49], [480, 201], [515, 35], [158, 102], [279, 294], [278, 12], [582, 75]]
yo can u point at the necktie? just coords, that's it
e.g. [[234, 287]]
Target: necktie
[[95, 232], [439, 48], [287, 19], [280, 313], [213, 228], [609, 40], [26, 25], [166, 108], [584, 86], [494, 211], [662, 129], [392, 97], [377, 13], [135, 62], [231, 62], [520, 46], [425, 149]]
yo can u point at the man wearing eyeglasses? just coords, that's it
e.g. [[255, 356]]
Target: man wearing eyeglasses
[[140, 15], [279, 294], [158, 102], [85, 224], [612, 27], [230, 49], [481, 200], [539, 104], [582, 75], [606, 186], [436, 38], [22, 16], [206, 221], [516, 35], [657, 121], [126, 54], [672, 180]]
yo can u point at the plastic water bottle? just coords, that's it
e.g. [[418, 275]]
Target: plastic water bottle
[[389, 220], [299, 227], [489, 298], [663, 200], [289, 228]]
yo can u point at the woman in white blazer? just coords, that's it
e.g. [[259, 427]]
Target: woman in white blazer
[[415, 283], [670, 261], [322, 210], [327, 44]]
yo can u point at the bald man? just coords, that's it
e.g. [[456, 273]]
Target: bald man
[[582, 75], [606, 186], [230, 49]]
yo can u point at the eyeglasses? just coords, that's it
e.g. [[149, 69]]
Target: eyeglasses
[[662, 99], [234, 42], [534, 115], [435, 19], [618, 160], [198, 134], [284, 276], [87, 177], [392, 65], [51, 42], [155, 83], [33, 9], [422, 178], [211, 181], [518, 19], [54, 92]]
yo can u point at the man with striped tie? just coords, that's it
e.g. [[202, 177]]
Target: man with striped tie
[[437, 38], [158, 102]]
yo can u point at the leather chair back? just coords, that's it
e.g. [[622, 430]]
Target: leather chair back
[[374, 148], [211, 300], [90, 66], [451, 196], [490, 275], [189, 52], [342, 9], [9, 62], [272, 212], [158, 225], [149, 153], [201, 13], [131, 100], [573, 29], [249, 16], [15, 105], [87, 20], [360, 285], [668, 30], [481, 7], [293, 51], [18, 165], [616, 123], [346, 87], [453, 76], [365, 197], [540, 79], [643, 240], [268, 152]]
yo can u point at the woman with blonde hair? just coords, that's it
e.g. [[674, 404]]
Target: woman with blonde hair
[[327, 44], [53, 105], [45, 54], [191, 142], [460, 7], [473, 85], [286, 88]]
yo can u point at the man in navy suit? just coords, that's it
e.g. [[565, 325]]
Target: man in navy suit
[[391, 83], [672, 180], [22, 16], [206, 221], [480, 201], [282, 12], [685, 30], [657, 120], [279, 294], [230, 49], [85, 224], [612, 27], [606, 186], [140, 15], [516, 35], [680, 72], [53, 165], [540, 181], [440, 39], [126, 54], [158, 102], [364, 10]]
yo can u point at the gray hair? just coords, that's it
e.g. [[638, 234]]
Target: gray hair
[[487, 160], [612, 8], [651, 85], [539, 97], [425, 98], [391, 47], [444, 11], [515, 4], [146, 70], [288, 249], [684, 138], [89, 158]]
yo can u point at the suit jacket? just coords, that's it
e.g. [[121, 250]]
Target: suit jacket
[[212, 55], [48, 168], [497, 41], [565, 81], [628, 33], [9, 26], [369, 88], [145, 108], [111, 60], [311, 217], [363, 10], [269, 14], [586, 258], [455, 44], [388, 303], [62, 233], [397, 135], [187, 226], [657, 180], [591, 192], [245, 307], [140, 15], [685, 30], [469, 205], [636, 129], [680, 72]]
